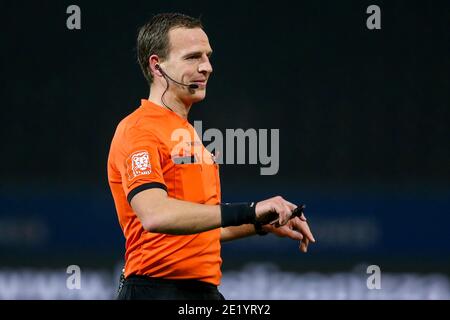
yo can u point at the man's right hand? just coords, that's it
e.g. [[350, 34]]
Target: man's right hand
[[272, 209]]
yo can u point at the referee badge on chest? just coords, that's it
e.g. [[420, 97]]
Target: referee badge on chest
[[138, 164]]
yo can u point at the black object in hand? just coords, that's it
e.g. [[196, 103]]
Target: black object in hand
[[273, 217]]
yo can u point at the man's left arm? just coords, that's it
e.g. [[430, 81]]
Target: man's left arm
[[233, 233], [296, 229]]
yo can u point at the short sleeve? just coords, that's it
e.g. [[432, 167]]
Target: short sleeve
[[140, 167]]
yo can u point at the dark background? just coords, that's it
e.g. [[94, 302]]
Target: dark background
[[363, 118]]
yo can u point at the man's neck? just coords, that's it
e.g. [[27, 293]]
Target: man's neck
[[170, 102]]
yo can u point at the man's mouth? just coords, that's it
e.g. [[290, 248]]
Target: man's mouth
[[200, 83]]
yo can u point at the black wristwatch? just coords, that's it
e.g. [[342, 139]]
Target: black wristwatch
[[259, 230]]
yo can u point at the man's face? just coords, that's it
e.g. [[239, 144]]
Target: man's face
[[188, 62]]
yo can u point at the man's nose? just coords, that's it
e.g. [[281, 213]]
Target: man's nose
[[205, 66]]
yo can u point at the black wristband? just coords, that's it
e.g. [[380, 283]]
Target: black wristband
[[235, 214], [258, 229]]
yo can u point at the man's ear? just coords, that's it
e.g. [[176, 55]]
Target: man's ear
[[153, 65]]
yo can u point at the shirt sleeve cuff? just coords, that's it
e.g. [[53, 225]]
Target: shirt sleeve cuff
[[143, 187]]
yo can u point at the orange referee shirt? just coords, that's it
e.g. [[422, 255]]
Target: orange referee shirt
[[153, 147]]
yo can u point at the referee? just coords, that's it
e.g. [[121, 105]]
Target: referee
[[168, 197]]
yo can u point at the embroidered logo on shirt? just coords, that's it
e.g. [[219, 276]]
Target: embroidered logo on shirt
[[139, 163]]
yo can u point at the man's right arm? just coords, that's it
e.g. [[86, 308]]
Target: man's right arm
[[159, 213]]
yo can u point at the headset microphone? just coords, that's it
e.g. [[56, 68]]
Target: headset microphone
[[190, 86]]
